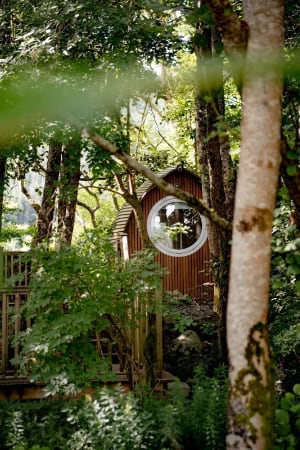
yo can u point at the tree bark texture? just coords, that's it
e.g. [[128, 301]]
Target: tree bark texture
[[251, 383], [68, 190], [46, 212], [215, 164]]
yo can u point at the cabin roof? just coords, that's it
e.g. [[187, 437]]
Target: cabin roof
[[126, 210]]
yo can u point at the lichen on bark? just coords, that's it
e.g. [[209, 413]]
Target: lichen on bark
[[253, 394]]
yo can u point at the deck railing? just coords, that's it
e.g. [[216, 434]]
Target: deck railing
[[14, 269], [14, 282]]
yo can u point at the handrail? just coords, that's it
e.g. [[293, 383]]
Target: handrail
[[14, 266]]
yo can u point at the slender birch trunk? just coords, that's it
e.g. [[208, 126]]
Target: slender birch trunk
[[251, 382]]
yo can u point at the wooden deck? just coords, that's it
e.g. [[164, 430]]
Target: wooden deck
[[14, 388], [14, 282]]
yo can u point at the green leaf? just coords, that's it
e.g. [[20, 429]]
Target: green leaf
[[290, 396], [292, 155], [293, 269], [286, 403], [297, 424], [277, 284], [282, 417], [291, 170], [296, 408], [290, 258], [297, 286], [296, 389], [283, 429]]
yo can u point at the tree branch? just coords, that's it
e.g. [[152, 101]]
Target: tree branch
[[36, 206], [129, 162], [90, 210]]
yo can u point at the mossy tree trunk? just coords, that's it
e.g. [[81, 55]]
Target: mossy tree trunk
[[217, 174], [251, 384]]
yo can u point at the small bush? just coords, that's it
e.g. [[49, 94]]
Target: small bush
[[205, 426], [112, 420], [288, 420], [199, 422]]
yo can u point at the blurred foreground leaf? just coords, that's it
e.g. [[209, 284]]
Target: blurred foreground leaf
[[78, 94]]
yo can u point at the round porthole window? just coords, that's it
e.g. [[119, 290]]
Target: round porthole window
[[175, 228]]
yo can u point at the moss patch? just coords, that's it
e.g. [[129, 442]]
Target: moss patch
[[252, 395]]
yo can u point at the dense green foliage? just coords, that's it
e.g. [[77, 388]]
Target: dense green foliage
[[114, 421], [79, 300], [77, 56], [288, 420], [284, 313]]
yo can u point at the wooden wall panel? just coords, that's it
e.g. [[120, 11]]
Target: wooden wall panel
[[189, 274]]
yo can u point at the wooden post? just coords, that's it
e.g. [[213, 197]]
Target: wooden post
[[4, 333], [159, 335], [124, 246], [17, 320], [1, 268], [142, 331]]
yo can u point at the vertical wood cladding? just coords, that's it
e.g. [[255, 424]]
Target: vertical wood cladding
[[188, 274]]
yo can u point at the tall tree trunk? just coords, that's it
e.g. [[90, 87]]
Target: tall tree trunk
[[2, 188], [6, 30], [46, 212], [251, 383], [5, 48], [214, 167], [68, 190]]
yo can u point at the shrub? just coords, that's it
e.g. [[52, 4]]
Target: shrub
[[190, 423], [79, 299], [110, 421], [114, 421], [288, 420]]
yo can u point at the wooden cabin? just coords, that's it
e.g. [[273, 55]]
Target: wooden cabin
[[178, 231]]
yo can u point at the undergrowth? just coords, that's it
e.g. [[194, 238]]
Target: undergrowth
[[112, 420]]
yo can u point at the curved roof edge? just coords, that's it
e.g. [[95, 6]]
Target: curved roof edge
[[126, 210]]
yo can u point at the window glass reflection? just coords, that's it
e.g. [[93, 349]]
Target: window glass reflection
[[177, 226]]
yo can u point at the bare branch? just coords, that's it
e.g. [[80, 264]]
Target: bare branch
[[164, 139], [36, 206], [129, 162], [90, 210]]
